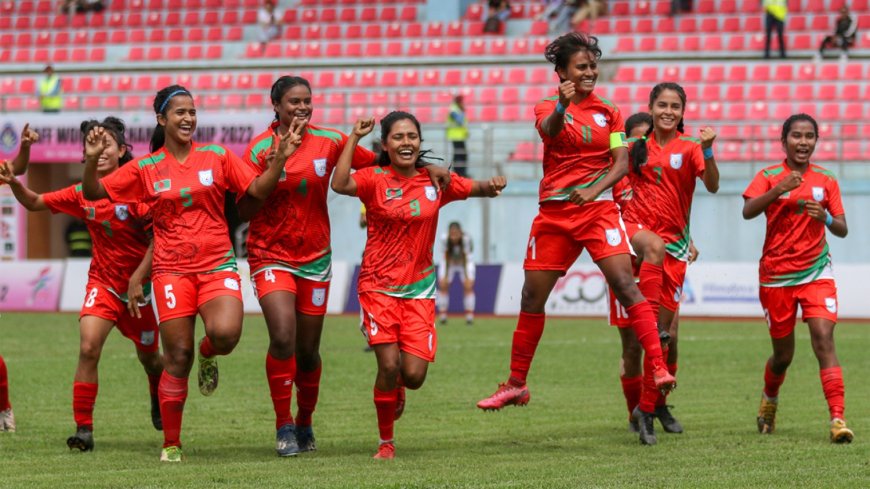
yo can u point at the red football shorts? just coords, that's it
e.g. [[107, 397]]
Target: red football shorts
[[311, 296], [408, 322], [672, 282], [817, 300], [181, 295], [102, 303], [618, 314], [561, 231]]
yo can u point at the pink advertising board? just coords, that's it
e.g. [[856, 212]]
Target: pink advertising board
[[32, 285]]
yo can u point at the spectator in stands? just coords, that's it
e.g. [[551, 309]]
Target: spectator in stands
[[498, 13], [844, 34], [775, 12], [269, 19], [678, 6], [559, 14], [50, 92], [588, 10], [457, 134]]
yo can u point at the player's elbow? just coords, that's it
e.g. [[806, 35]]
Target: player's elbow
[[712, 187]]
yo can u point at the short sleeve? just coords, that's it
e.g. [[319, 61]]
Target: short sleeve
[[239, 174], [125, 184], [459, 189], [64, 201], [698, 160], [617, 130], [365, 185], [835, 201], [757, 187], [255, 157]]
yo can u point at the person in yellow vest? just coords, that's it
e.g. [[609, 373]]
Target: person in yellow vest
[[50, 92], [457, 134], [775, 12]]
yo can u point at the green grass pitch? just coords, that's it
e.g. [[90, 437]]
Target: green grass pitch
[[572, 434]]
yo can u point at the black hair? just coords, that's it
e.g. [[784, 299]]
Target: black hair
[[116, 128], [559, 52], [638, 119], [284, 84], [455, 224], [387, 125], [639, 153], [161, 103], [786, 126]]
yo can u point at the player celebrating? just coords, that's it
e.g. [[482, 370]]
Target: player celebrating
[[800, 199], [120, 266], [7, 417], [194, 268], [456, 248], [584, 155], [397, 280]]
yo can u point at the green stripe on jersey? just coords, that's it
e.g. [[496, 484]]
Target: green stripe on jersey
[[680, 248], [690, 139], [214, 148], [827, 173], [325, 133], [422, 289], [319, 270], [229, 264], [564, 193], [554, 97], [79, 188], [804, 276], [265, 144], [607, 102], [772, 172], [153, 160]]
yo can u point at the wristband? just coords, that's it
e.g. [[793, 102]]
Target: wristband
[[560, 108], [829, 219], [708, 153]]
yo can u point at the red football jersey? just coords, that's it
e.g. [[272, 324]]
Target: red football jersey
[[118, 233], [402, 216], [622, 193], [795, 249], [663, 191], [187, 203], [580, 155], [291, 230]]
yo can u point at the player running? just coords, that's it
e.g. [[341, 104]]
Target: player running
[[194, 267], [800, 199], [397, 282], [456, 252], [584, 155], [118, 289]]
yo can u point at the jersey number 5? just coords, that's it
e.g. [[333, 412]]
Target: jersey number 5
[[170, 297]]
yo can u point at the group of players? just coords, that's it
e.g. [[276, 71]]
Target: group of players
[[626, 200]]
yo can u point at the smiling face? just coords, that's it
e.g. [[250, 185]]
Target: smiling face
[[180, 119], [295, 103], [800, 142], [403, 144], [111, 156], [582, 70], [667, 110]]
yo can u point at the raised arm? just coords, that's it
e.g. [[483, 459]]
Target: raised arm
[[488, 188], [555, 122], [28, 138], [95, 144], [31, 200], [711, 169], [754, 206], [342, 183], [282, 148]]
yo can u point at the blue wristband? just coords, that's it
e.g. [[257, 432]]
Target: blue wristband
[[560, 108], [829, 219], [708, 153]]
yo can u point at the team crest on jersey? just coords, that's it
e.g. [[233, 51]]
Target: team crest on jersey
[[431, 193], [205, 177], [122, 212], [818, 194], [147, 338], [676, 160], [831, 304], [320, 167], [613, 237], [231, 283], [600, 119], [318, 297]]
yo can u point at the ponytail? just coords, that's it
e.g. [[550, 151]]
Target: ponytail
[[639, 152]]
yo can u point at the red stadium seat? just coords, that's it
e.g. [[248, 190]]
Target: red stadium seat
[[373, 49], [783, 72], [827, 92], [711, 93], [477, 47], [373, 31], [625, 44], [779, 93], [333, 49], [713, 42], [850, 93], [692, 74], [737, 73], [415, 49], [328, 15], [313, 49], [761, 72]]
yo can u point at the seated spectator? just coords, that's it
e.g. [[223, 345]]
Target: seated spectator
[[678, 6], [498, 13], [844, 34], [588, 10], [269, 19], [558, 13]]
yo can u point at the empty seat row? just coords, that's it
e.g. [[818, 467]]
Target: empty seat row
[[717, 42], [760, 72], [134, 19], [121, 36]]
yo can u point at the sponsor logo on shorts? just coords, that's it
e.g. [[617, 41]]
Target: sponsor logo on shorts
[[430, 342], [600, 119], [122, 212], [147, 338], [320, 167], [767, 317], [678, 294], [831, 304], [614, 238], [231, 283], [205, 177], [431, 193], [676, 160], [318, 296], [818, 194]]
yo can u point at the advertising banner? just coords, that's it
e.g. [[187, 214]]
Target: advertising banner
[[30, 285]]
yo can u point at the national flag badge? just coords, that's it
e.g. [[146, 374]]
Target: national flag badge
[[205, 177], [614, 238], [818, 194], [599, 119], [162, 185], [320, 167], [318, 297], [91, 212], [394, 193], [431, 193], [122, 212], [676, 160]]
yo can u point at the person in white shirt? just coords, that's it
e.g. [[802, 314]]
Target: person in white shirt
[[455, 251]]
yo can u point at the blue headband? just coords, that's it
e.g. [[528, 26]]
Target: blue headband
[[177, 92]]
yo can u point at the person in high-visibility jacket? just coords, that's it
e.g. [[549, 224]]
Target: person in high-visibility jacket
[[457, 134], [50, 92], [775, 12]]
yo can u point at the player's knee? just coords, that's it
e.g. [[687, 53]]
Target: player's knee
[[282, 346], [177, 361], [89, 352], [532, 300], [625, 289], [654, 251], [782, 360], [225, 340]]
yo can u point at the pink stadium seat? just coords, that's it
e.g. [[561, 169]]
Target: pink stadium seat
[[783, 72], [852, 151], [495, 76], [541, 76], [752, 24], [415, 49], [413, 29], [831, 111], [517, 76], [313, 49], [394, 31], [373, 31], [474, 77], [665, 25], [777, 92], [313, 31], [711, 93], [807, 72], [643, 26], [709, 25], [333, 49], [737, 42], [713, 42], [761, 72], [737, 73], [801, 41], [648, 44], [759, 110], [477, 47], [625, 44], [264, 81], [624, 74], [373, 49], [850, 93], [328, 15], [827, 91]]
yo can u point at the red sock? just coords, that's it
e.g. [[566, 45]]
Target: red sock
[[643, 322], [631, 388], [4, 387], [649, 394], [650, 284], [307, 390], [280, 374], [672, 368], [206, 349], [772, 382], [835, 392], [173, 393], [530, 327], [153, 384], [385, 403], [84, 397]]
